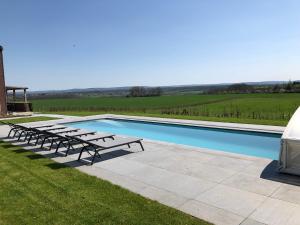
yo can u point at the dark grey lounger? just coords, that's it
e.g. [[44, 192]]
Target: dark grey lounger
[[38, 132], [98, 146], [58, 136], [21, 129], [51, 135], [69, 140]]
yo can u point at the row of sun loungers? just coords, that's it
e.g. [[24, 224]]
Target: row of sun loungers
[[70, 138]]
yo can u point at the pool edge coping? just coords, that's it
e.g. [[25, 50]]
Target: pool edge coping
[[195, 123]]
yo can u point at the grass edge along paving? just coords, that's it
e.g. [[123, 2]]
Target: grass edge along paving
[[37, 190], [17, 120]]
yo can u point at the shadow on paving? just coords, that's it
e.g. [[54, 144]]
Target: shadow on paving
[[271, 173], [107, 156], [87, 160]]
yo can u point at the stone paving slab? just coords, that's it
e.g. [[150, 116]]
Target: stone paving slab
[[289, 193], [220, 187], [252, 184], [251, 222], [164, 197], [211, 213], [277, 212], [237, 201]]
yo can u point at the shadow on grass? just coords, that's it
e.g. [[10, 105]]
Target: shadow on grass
[[14, 141], [35, 156], [271, 173], [7, 146], [20, 150], [57, 166]]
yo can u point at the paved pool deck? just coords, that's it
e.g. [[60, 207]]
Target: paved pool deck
[[216, 186]]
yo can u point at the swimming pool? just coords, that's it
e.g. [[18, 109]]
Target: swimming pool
[[265, 145]]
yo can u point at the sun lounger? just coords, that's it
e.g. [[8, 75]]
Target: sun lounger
[[64, 140], [98, 146], [38, 132], [64, 137], [21, 129], [31, 131], [69, 140], [54, 134]]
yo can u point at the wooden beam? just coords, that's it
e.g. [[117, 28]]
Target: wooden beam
[[25, 96]]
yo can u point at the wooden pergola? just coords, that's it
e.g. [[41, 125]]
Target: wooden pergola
[[14, 89], [17, 105]]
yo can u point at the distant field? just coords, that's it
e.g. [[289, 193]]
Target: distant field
[[275, 109]]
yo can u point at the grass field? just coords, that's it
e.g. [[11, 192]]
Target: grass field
[[36, 190], [273, 109]]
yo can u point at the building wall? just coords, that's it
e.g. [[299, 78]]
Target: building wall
[[3, 106]]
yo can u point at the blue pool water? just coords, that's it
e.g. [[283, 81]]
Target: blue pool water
[[265, 145]]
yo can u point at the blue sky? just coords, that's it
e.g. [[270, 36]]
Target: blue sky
[[108, 43]]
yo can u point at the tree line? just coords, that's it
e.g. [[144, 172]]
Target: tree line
[[241, 88], [144, 92]]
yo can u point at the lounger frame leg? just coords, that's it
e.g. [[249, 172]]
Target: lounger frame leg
[[57, 147], [11, 130], [15, 134], [68, 148], [20, 134], [51, 145], [142, 147], [82, 149], [30, 137], [26, 136], [37, 139], [43, 142], [94, 156]]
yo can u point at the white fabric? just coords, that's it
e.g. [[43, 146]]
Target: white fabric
[[289, 161]]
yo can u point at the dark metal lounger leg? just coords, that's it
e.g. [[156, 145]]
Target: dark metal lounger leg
[[51, 145], [57, 147], [30, 137], [20, 135], [26, 135], [81, 153], [43, 142], [68, 149], [14, 129], [15, 134], [141, 145], [11, 130], [37, 139], [94, 156]]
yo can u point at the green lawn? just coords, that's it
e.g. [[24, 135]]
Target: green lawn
[[29, 119], [36, 190], [270, 109], [123, 103]]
